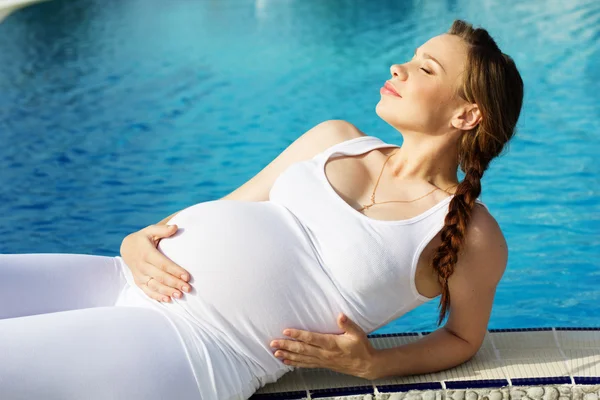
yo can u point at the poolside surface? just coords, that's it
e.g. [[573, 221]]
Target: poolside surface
[[544, 363]]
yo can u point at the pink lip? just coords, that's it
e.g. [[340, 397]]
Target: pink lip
[[388, 88]]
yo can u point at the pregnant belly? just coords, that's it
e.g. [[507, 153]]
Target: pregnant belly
[[254, 272]]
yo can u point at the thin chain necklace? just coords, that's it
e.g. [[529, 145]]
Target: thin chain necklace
[[365, 207]]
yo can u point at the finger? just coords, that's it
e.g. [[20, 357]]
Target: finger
[[168, 279], [153, 286], [165, 292], [300, 364], [154, 295], [160, 230], [286, 355], [322, 340], [164, 263], [159, 285], [349, 326], [298, 347]]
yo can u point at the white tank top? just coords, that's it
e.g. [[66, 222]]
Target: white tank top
[[295, 261], [371, 262]]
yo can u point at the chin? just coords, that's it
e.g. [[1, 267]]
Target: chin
[[391, 115], [405, 118]]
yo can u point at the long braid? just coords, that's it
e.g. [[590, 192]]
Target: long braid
[[493, 82], [455, 228]]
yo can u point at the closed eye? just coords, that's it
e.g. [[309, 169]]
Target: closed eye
[[426, 71]]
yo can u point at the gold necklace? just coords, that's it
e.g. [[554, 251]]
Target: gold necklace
[[365, 207]]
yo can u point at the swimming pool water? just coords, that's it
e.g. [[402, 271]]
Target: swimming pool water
[[116, 113]]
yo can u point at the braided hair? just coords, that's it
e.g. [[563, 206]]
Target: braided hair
[[493, 82]]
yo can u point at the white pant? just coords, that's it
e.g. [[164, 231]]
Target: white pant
[[62, 336]]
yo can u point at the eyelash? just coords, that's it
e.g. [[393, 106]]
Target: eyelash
[[426, 71]]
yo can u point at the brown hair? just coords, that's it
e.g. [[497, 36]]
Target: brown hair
[[491, 81]]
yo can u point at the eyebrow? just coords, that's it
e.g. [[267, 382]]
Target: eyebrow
[[425, 55]]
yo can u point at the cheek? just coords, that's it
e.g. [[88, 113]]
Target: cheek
[[444, 104], [426, 95], [433, 101]]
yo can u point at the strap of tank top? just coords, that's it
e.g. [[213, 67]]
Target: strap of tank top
[[366, 142], [350, 145]]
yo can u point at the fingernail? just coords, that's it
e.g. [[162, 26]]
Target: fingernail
[[166, 299], [186, 289], [176, 295], [184, 277], [274, 344]]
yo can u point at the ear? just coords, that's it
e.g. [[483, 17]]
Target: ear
[[467, 118]]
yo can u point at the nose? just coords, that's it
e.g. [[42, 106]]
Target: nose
[[398, 70]]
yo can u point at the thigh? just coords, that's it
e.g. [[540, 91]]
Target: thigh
[[96, 353], [50, 282]]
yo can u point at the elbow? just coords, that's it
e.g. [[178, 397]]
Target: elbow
[[467, 354], [471, 350], [470, 347]]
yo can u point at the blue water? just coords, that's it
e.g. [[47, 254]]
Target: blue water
[[117, 113]]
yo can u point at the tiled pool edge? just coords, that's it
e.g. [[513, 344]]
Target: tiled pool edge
[[513, 364], [562, 392], [552, 392], [556, 392]]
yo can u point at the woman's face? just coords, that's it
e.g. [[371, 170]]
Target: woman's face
[[428, 85]]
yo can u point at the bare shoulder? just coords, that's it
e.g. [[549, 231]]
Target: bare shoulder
[[312, 142], [485, 239], [332, 132], [484, 255]]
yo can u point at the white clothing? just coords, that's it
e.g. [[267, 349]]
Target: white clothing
[[62, 338], [295, 261]]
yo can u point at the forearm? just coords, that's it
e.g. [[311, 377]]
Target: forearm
[[436, 351]]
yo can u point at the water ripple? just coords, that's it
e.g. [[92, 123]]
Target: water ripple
[[116, 114]]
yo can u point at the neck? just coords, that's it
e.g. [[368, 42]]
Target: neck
[[433, 159]]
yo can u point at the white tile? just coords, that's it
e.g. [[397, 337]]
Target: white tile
[[583, 362], [524, 340], [474, 370], [402, 380], [485, 355], [525, 363], [579, 339], [318, 378], [530, 354]]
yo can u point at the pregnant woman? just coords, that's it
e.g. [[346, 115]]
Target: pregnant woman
[[340, 223]]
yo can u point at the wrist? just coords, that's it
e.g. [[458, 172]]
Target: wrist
[[372, 366]]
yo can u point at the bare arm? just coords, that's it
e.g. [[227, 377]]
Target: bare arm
[[312, 142], [437, 351], [472, 289]]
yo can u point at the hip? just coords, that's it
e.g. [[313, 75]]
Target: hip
[[233, 367]]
